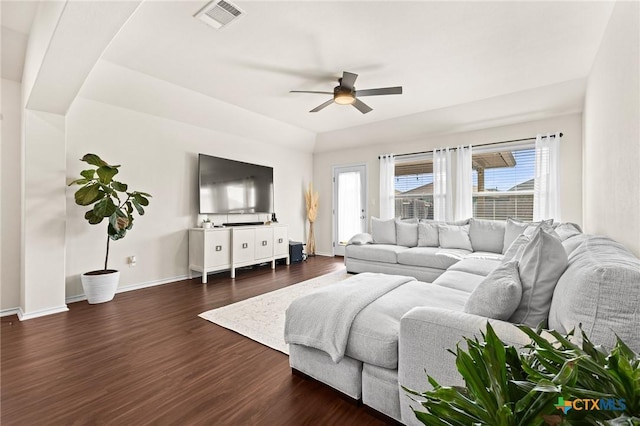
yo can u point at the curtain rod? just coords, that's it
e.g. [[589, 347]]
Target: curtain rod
[[484, 144]]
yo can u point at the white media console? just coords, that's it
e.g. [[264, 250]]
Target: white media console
[[220, 249]]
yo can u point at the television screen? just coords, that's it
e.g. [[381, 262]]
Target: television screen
[[228, 186]]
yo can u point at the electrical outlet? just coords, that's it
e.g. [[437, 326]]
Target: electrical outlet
[[132, 261]]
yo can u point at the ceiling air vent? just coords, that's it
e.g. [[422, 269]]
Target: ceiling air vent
[[219, 13]]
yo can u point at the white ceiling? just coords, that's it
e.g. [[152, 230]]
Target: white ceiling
[[532, 56], [442, 53]]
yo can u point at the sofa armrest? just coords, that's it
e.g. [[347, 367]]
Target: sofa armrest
[[361, 239], [425, 335]]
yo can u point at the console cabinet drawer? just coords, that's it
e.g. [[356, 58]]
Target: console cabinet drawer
[[243, 245], [280, 241], [264, 243]]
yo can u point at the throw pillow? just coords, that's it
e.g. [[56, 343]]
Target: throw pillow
[[549, 229], [498, 295], [406, 234], [383, 231], [515, 227], [487, 235], [409, 220], [567, 230], [542, 263], [428, 235], [360, 239], [451, 222], [515, 249], [454, 236]]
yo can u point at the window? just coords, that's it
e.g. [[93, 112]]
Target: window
[[414, 187], [503, 181]]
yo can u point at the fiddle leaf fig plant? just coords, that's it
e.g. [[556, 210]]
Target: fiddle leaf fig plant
[[109, 199]]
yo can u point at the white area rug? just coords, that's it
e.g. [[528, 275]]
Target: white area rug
[[261, 318]]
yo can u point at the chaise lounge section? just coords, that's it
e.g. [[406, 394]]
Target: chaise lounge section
[[407, 330]]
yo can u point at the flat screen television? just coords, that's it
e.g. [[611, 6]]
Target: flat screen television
[[229, 186]]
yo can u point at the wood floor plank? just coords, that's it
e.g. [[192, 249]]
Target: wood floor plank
[[147, 358]]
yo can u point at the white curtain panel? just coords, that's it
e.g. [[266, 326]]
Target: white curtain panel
[[546, 197], [442, 185], [464, 187], [387, 187]]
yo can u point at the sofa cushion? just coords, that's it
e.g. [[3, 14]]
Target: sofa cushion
[[476, 266], [484, 255], [428, 235], [454, 237], [430, 257], [542, 261], [459, 280], [386, 253], [498, 295], [373, 338], [383, 231], [487, 235], [406, 233], [600, 290], [457, 254]]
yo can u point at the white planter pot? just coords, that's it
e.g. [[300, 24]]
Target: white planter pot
[[100, 288]]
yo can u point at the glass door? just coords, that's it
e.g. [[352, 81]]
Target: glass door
[[349, 204]]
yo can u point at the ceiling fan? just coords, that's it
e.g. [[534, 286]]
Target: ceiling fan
[[345, 93]]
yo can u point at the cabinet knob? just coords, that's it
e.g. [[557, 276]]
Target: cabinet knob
[[218, 248], [279, 240], [245, 245], [264, 243]]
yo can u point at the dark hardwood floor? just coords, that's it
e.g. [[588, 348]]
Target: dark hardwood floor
[[147, 358]]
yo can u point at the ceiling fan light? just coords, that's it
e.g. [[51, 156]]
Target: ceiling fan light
[[344, 98]]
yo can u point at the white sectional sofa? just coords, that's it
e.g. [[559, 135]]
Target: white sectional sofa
[[560, 276]]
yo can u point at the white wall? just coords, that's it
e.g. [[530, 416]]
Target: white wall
[[612, 132], [159, 156], [43, 215], [570, 153], [10, 191]]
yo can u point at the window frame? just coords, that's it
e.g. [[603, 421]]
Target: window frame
[[497, 147], [427, 156]]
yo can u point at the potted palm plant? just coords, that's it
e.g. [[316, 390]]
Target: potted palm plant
[[109, 199]]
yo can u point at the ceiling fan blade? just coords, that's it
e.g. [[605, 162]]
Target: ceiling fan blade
[[324, 105], [348, 80], [381, 91], [310, 91], [361, 106]]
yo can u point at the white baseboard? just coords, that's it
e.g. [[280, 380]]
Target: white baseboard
[[9, 311], [327, 254], [131, 287], [23, 316]]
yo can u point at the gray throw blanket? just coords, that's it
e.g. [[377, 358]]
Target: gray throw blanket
[[322, 319]]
